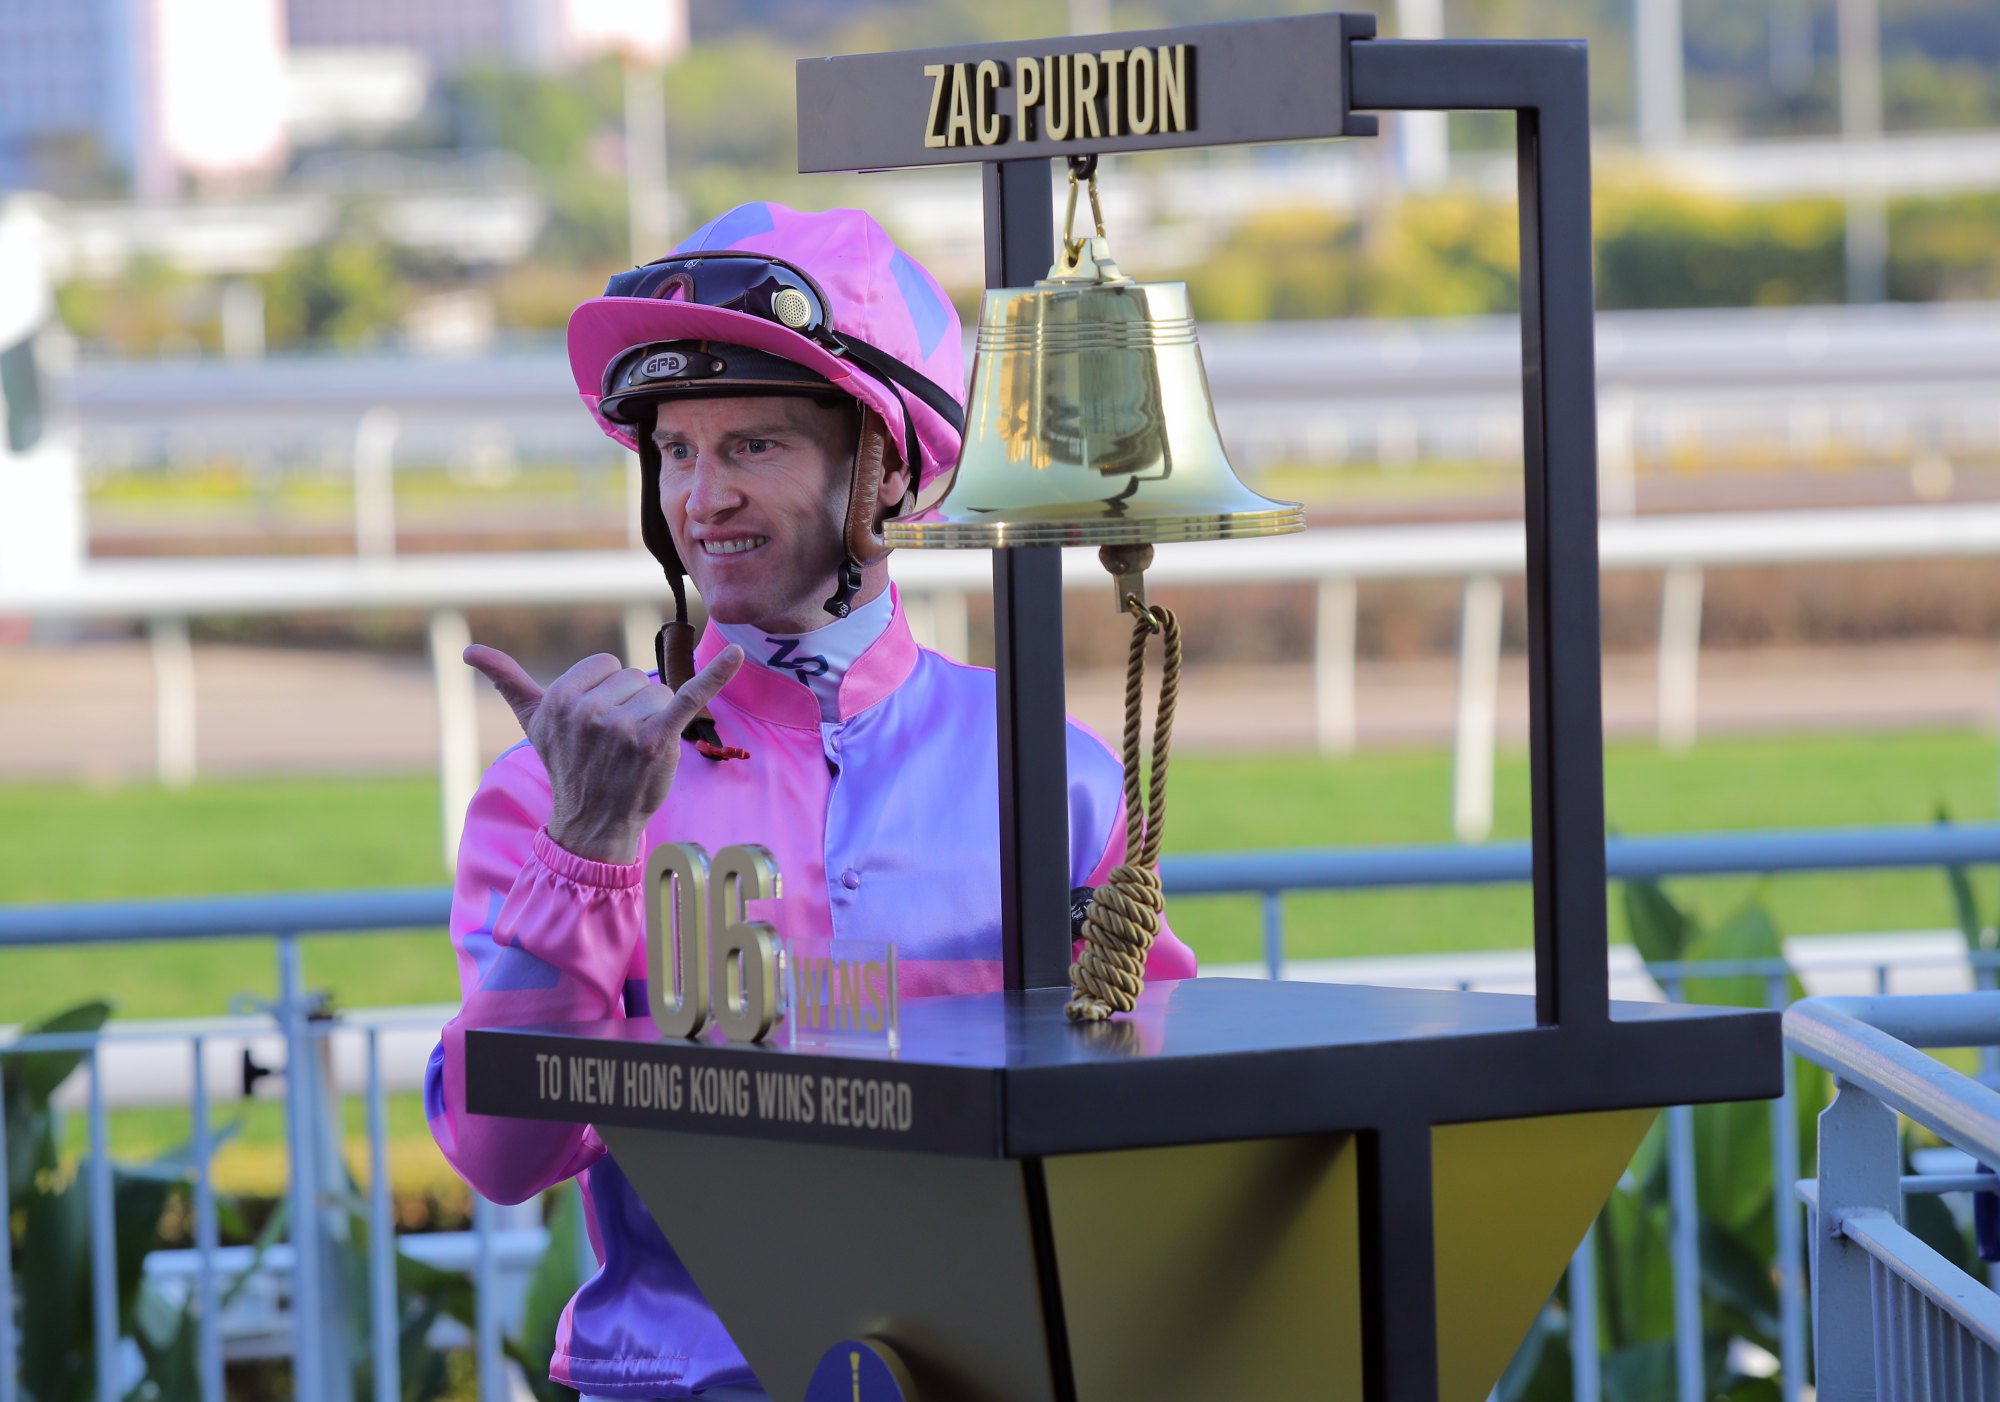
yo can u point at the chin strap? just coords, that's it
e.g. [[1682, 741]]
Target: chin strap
[[862, 530], [673, 654]]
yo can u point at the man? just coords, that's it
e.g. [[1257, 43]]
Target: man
[[787, 379]]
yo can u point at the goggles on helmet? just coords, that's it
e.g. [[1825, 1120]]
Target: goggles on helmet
[[737, 282], [775, 291]]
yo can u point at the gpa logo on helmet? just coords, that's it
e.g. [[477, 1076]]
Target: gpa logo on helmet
[[667, 365]]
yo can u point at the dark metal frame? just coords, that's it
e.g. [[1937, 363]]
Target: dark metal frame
[[1546, 84]]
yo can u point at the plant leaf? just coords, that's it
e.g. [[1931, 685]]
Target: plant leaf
[[1660, 929]]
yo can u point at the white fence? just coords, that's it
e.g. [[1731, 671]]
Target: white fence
[[165, 594]]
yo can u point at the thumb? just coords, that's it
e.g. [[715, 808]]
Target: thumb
[[700, 689], [519, 690]]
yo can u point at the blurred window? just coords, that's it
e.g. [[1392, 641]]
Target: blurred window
[[21, 389]]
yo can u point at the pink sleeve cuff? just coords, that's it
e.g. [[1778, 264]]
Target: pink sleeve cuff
[[609, 876]]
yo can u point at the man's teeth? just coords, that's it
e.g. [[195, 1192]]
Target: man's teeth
[[733, 547]]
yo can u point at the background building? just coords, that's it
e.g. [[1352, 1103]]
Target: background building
[[543, 34], [160, 92]]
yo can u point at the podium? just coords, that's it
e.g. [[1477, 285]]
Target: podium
[[1231, 1193], [1244, 1189]]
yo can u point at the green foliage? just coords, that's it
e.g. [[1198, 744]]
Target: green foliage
[[345, 293], [557, 1277], [52, 1260], [1734, 1189], [1661, 248], [549, 119]]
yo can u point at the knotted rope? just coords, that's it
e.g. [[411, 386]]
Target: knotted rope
[[1125, 911]]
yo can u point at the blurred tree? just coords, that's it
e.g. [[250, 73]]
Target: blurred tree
[[345, 292], [1943, 249], [1659, 248]]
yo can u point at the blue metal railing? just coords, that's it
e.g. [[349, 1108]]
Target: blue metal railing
[[1268, 875], [1894, 1319]]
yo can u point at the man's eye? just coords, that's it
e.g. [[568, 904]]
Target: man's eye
[[757, 445], [676, 452]]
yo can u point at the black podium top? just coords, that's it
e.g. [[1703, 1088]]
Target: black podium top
[[1005, 1075]]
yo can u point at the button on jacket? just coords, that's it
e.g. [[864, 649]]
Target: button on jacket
[[885, 826]]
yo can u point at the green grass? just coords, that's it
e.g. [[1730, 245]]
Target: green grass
[[67, 843], [70, 843]]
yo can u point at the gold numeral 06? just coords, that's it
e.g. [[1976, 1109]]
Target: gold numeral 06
[[703, 959]]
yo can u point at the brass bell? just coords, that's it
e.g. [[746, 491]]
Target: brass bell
[[1090, 422]]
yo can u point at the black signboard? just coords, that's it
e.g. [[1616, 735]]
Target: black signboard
[[1140, 90]]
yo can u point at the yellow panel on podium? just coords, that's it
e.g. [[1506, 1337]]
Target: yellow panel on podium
[[1513, 1200]]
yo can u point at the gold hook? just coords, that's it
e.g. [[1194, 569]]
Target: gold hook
[[1081, 168]]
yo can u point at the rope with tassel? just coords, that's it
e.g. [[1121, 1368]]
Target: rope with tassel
[[1125, 911]]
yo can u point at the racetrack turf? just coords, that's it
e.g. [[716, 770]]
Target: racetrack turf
[[74, 843]]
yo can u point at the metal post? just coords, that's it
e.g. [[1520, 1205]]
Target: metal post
[[382, 1312], [103, 1243], [641, 623], [1684, 1246], [1585, 1383], [951, 620], [1859, 1163], [173, 701], [1398, 1266], [1547, 85], [1792, 1357], [1274, 933], [1680, 657], [1334, 668], [375, 484], [1860, 31], [1618, 453], [1478, 709], [648, 220], [1660, 77], [207, 1238], [10, 1344], [241, 318], [1027, 650], [1424, 138], [458, 724], [486, 1305], [309, 1381]]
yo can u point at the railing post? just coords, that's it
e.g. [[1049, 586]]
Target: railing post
[[10, 1346], [1859, 1163], [1680, 657], [1585, 1383], [1334, 642], [1792, 1353], [1478, 709], [1684, 1246], [318, 1332], [458, 724], [951, 619], [642, 624], [375, 484], [173, 701]]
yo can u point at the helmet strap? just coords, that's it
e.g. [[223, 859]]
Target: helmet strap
[[861, 531], [673, 645]]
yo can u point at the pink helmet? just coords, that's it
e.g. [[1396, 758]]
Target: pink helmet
[[770, 300], [828, 292]]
